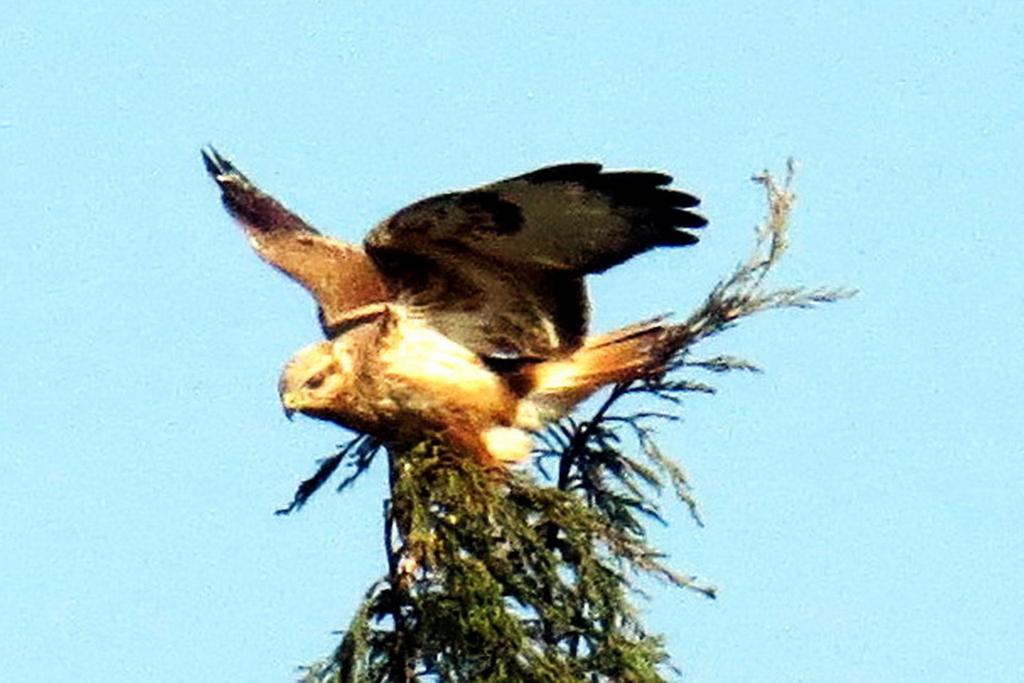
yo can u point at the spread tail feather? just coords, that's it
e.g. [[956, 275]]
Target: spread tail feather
[[629, 353]]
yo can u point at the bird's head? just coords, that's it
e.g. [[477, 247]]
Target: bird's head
[[315, 380]]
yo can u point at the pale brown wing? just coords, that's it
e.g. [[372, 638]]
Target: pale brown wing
[[500, 268], [339, 276]]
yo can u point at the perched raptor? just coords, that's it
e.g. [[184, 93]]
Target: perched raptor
[[464, 316]]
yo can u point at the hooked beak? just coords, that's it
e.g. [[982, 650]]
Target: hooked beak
[[288, 405]]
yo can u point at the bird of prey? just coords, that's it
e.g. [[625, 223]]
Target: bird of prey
[[464, 316]]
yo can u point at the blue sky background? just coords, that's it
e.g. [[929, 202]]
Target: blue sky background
[[863, 496]]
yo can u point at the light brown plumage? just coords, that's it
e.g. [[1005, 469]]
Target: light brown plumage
[[465, 318]]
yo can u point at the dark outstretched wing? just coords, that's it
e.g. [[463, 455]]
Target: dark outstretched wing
[[339, 276], [500, 268]]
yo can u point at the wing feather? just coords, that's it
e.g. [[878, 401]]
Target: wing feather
[[340, 276], [500, 267]]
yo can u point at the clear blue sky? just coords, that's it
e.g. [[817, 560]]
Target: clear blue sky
[[863, 496]]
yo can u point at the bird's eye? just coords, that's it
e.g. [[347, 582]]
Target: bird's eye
[[314, 382]]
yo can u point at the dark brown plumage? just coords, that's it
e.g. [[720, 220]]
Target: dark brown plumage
[[467, 312], [501, 267]]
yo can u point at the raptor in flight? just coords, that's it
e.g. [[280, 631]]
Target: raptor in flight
[[464, 316]]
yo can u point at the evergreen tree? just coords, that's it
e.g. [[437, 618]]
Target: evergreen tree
[[502, 575]]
